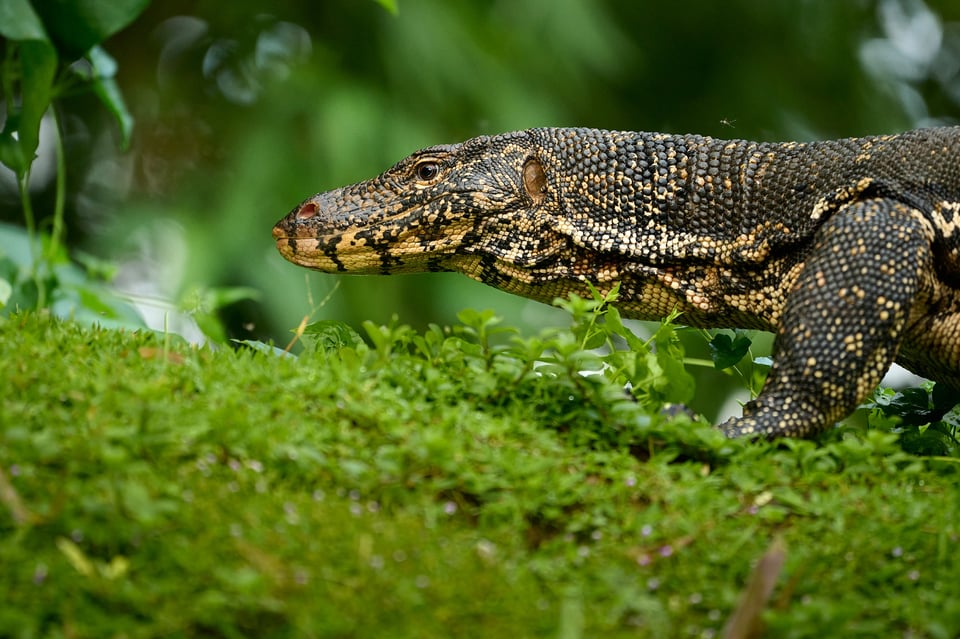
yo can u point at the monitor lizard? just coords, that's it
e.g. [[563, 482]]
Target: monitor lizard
[[847, 250]]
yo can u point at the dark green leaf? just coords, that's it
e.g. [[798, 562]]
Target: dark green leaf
[[11, 154], [678, 386], [727, 351], [77, 25], [944, 397], [38, 63], [105, 87], [331, 335], [927, 442], [911, 405], [951, 420], [37, 59]]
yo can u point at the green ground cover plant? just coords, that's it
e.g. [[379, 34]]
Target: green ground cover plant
[[463, 481]]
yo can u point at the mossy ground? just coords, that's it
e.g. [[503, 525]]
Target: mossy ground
[[431, 487]]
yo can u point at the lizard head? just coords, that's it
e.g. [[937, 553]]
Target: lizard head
[[475, 207]]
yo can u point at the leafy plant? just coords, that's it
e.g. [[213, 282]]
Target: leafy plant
[[52, 51], [596, 381], [927, 417]]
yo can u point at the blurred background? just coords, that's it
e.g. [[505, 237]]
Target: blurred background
[[241, 112]]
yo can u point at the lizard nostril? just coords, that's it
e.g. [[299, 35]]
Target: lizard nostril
[[307, 211]]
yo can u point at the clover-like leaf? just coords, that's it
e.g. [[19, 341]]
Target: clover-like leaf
[[727, 351]]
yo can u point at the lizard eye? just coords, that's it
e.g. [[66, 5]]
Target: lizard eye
[[427, 170]]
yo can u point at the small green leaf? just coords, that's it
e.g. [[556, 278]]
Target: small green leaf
[[11, 153], [116, 569], [378, 336], [330, 335], [208, 300], [210, 325], [615, 324], [478, 320], [912, 405], [726, 351], [221, 296], [389, 5], [92, 300], [75, 556], [927, 442], [105, 88], [679, 384], [590, 336], [6, 289]]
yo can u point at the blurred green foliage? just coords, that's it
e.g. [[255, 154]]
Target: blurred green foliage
[[50, 51], [242, 112]]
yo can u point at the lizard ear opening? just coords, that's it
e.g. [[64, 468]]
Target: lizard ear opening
[[535, 180]]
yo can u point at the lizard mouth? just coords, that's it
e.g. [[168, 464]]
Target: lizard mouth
[[323, 238], [305, 237], [306, 250], [284, 237]]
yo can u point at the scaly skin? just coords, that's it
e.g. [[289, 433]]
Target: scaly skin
[[848, 250]]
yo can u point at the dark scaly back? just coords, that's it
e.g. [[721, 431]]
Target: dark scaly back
[[665, 199]]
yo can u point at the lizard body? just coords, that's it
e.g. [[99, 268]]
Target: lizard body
[[848, 250]]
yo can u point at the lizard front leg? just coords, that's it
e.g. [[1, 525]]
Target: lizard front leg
[[843, 319]]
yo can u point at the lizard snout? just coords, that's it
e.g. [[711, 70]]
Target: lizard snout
[[306, 210], [296, 222]]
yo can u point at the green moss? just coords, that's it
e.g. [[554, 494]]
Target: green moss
[[433, 485]]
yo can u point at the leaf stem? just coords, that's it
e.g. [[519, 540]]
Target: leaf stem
[[56, 233], [23, 183]]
